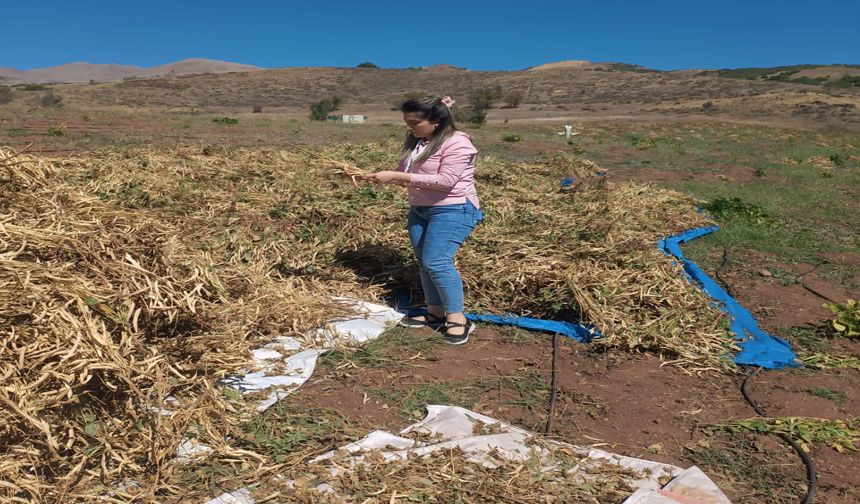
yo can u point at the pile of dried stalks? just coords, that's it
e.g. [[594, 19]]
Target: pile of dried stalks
[[130, 276], [448, 475]]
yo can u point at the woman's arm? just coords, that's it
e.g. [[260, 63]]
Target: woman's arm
[[389, 177]]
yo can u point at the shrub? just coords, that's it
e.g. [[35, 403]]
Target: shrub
[[846, 81], [708, 105], [476, 116], [847, 321], [5, 94], [512, 137], [335, 102], [412, 95], [642, 143], [33, 87], [838, 158], [257, 109], [485, 97], [480, 101], [321, 109], [513, 98], [367, 64], [727, 209], [225, 120], [57, 130], [51, 100]]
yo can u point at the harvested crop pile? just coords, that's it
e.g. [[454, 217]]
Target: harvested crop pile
[[127, 277]]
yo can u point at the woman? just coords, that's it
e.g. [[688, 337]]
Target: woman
[[437, 165]]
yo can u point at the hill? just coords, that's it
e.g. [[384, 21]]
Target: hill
[[554, 92], [839, 76], [85, 72]]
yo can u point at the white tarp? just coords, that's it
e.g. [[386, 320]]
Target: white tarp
[[452, 426]]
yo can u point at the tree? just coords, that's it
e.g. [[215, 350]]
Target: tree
[[5, 94], [50, 100], [367, 64], [321, 109], [513, 98], [411, 95], [480, 101]]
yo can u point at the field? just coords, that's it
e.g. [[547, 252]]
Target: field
[[247, 235]]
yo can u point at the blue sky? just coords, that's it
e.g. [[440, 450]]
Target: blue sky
[[481, 35]]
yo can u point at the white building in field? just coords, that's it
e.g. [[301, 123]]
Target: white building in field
[[348, 118]]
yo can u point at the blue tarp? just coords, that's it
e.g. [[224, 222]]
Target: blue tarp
[[758, 348], [578, 332]]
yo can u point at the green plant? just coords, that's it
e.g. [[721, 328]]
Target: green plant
[[847, 321], [480, 101], [321, 109], [846, 81], [642, 143], [836, 434], [225, 120], [367, 64], [838, 158], [824, 360], [759, 172], [57, 130], [512, 137], [33, 87], [49, 99], [735, 209]]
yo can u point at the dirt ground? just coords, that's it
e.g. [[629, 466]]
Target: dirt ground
[[628, 404]]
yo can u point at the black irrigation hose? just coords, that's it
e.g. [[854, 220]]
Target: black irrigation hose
[[811, 478], [722, 265], [552, 394]]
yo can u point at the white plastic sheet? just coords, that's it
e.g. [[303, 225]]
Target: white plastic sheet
[[452, 426]]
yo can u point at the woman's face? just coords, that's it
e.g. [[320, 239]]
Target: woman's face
[[418, 125]]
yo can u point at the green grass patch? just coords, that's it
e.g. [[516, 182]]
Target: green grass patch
[[827, 393], [839, 435], [724, 209], [286, 430], [525, 388], [391, 348], [738, 458], [825, 360]]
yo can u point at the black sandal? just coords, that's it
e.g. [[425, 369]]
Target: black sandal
[[430, 320], [458, 339]]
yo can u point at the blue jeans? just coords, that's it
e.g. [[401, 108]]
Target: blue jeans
[[436, 233]]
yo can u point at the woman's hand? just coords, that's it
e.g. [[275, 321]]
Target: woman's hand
[[388, 177]]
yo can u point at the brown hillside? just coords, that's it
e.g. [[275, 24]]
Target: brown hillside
[[603, 92], [85, 72]]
